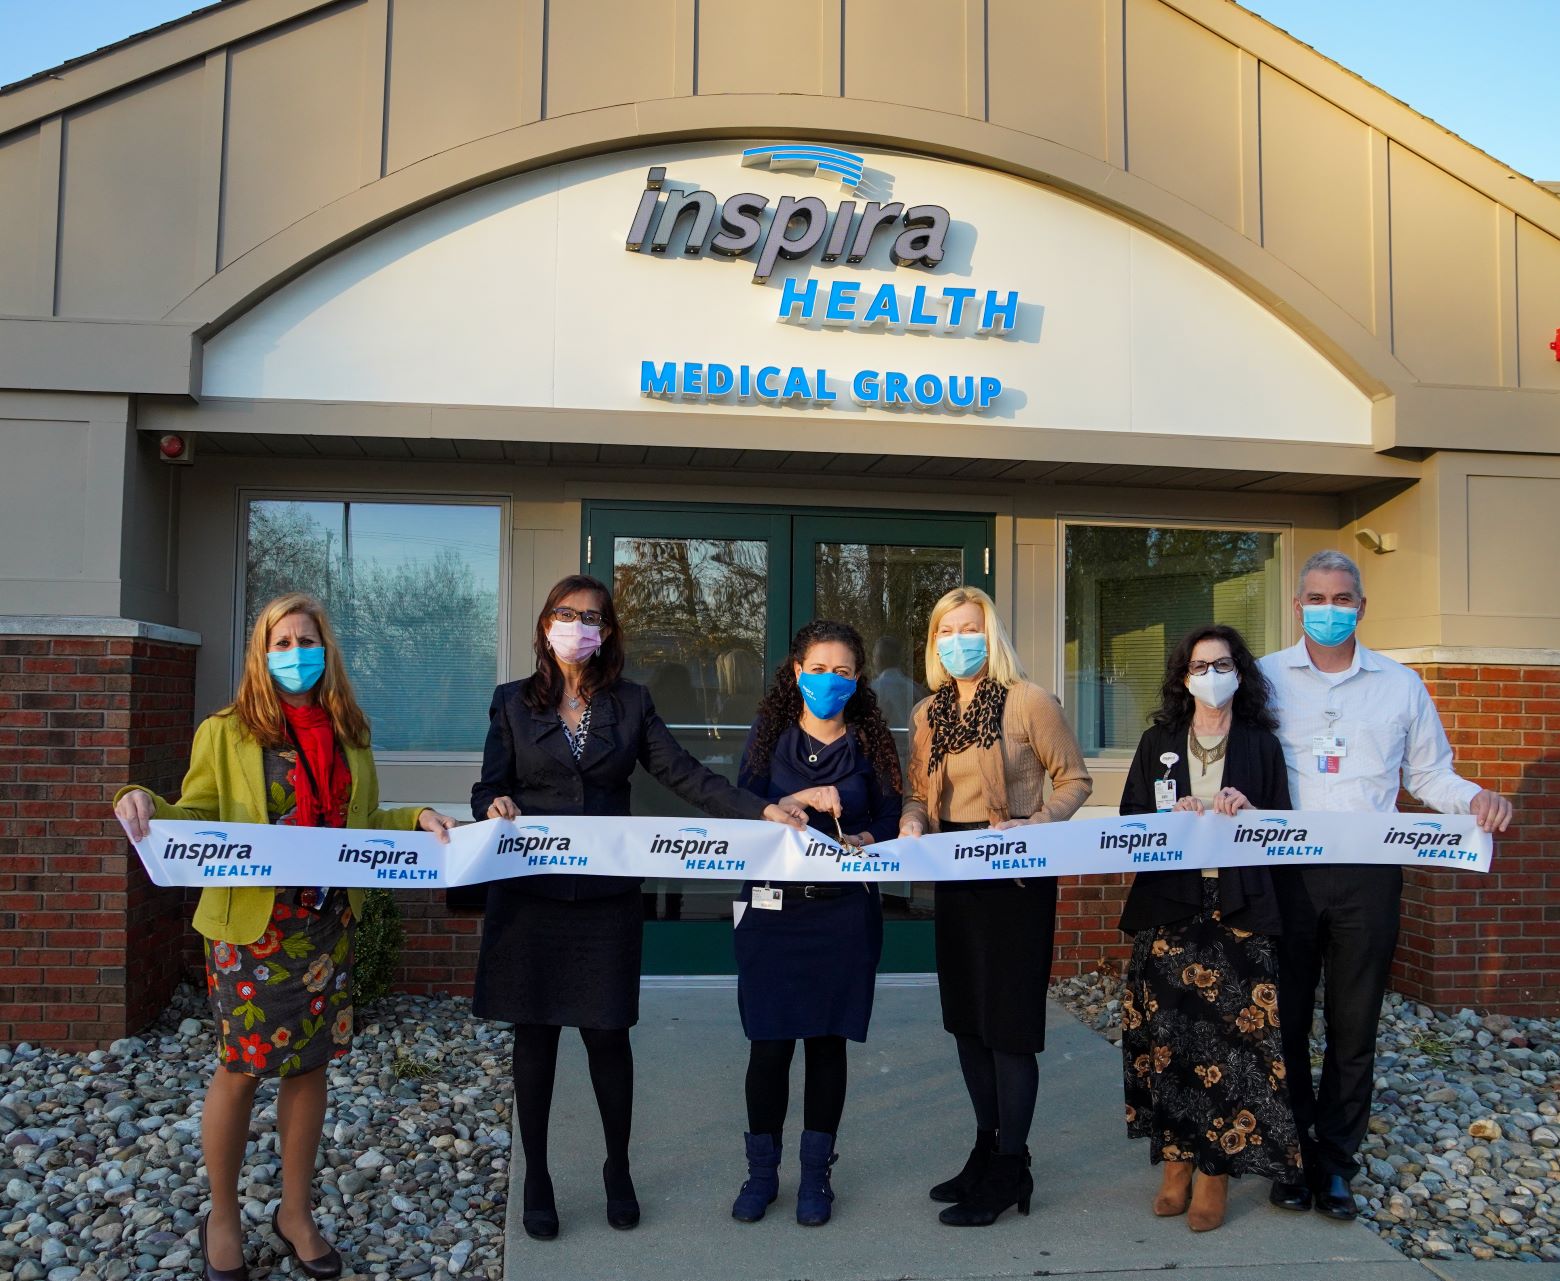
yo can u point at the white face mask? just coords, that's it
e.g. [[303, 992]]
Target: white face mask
[[1213, 689]]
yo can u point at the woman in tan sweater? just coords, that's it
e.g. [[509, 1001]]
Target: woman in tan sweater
[[982, 748]]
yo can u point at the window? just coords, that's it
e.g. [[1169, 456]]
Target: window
[[413, 592], [1131, 592]]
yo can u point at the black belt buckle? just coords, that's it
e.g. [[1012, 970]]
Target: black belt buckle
[[823, 891]]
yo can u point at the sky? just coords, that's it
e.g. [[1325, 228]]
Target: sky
[[1488, 70]]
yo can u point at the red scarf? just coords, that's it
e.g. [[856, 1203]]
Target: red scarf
[[320, 767]]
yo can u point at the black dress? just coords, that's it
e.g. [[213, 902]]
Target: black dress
[[810, 968], [1202, 1061], [565, 950]]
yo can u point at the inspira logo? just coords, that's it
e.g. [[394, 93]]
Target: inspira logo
[[1144, 846], [1431, 840], [1279, 838], [997, 852], [216, 848], [387, 861], [698, 850], [808, 157], [537, 845]]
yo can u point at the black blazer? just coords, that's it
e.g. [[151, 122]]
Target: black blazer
[[1254, 765], [527, 758]]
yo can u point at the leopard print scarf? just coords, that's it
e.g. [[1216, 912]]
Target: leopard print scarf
[[981, 726]]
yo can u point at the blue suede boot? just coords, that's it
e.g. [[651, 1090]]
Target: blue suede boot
[[763, 1181], [814, 1196]]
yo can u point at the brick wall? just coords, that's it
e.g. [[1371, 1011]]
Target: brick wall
[[1087, 909], [1493, 942], [88, 949], [440, 952]]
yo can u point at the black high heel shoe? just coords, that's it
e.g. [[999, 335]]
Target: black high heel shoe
[[209, 1273], [540, 1216], [1007, 1182], [326, 1266], [623, 1208]]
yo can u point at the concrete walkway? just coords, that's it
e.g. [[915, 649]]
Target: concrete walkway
[[907, 1125]]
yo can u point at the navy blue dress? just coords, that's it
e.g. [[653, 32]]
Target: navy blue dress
[[810, 968]]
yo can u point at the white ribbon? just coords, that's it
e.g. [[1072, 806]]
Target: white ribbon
[[234, 854]]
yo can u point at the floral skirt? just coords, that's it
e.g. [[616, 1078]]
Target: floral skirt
[[283, 1004], [1200, 1045]]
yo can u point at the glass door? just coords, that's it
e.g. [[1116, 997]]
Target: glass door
[[709, 598]]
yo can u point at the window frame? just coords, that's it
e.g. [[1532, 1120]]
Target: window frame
[[335, 494], [1282, 530]]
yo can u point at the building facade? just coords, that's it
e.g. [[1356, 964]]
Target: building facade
[[1119, 308]]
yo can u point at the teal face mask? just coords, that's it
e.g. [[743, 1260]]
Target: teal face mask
[[1329, 624], [962, 655], [297, 670]]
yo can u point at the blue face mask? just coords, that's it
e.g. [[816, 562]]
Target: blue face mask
[[963, 654], [297, 670], [825, 693], [1329, 624]]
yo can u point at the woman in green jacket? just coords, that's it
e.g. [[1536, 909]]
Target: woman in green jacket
[[293, 749]]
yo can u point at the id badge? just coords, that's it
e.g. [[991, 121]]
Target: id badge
[[1164, 794], [1329, 750], [766, 899]]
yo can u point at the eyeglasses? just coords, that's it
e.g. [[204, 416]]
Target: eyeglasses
[[590, 617], [1199, 668]]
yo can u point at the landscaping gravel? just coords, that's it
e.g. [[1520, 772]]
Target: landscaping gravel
[[100, 1176], [1463, 1153]]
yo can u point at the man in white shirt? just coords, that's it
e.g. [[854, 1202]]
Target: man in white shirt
[[1355, 727]]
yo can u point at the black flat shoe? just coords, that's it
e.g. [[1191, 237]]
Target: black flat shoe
[[209, 1273], [1289, 1196], [540, 1216], [1334, 1199], [326, 1266], [622, 1209]]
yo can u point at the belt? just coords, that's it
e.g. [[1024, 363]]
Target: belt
[[827, 891]]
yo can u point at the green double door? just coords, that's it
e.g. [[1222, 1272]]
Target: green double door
[[709, 597]]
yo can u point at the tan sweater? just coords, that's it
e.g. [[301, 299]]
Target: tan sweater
[[1036, 742]]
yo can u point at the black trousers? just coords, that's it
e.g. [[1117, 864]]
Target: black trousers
[[1341, 924]]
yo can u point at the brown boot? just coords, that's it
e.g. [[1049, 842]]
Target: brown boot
[[1209, 1195], [1175, 1189]]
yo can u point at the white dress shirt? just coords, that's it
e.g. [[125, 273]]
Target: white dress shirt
[[1390, 729]]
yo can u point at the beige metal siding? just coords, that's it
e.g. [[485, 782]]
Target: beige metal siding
[[912, 51], [1048, 70], [787, 56], [601, 52], [299, 125], [129, 201], [19, 198], [1184, 109], [1538, 305], [1310, 147], [1508, 514], [456, 71], [1445, 294]]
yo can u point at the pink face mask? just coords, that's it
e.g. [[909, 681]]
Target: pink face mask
[[573, 642]]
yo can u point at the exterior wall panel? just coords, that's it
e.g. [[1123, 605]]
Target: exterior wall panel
[[910, 51], [19, 196], [1538, 306], [1445, 295], [1184, 108], [452, 78], [295, 125], [1048, 70], [787, 57], [1310, 147], [601, 52], [129, 201]]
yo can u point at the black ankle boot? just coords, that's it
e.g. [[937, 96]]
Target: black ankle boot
[[963, 1183], [540, 1218], [622, 1201], [1007, 1182]]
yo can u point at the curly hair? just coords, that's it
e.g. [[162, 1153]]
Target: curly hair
[[782, 704], [1253, 700]]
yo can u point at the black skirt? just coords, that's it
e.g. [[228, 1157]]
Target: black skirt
[[561, 962], [994, 944], [810, 968]]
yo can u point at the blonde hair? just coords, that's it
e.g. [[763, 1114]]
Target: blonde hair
[[1002, 663], [258, 708]]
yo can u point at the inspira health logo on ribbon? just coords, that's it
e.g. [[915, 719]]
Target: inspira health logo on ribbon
[[536, 844], [698, 850], [387, 860], [216, 856], [1432, 841]]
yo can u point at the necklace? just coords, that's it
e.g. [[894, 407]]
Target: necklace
[[571, 701], [1207, 755], [812, 757]]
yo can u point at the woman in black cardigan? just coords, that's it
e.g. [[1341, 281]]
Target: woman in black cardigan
[[563, 950], [1204, 1067]]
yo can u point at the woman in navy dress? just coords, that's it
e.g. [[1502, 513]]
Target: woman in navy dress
[[807, 955]]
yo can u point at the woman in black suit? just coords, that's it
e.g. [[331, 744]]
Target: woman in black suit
[[1204, 1067], [563, 950]]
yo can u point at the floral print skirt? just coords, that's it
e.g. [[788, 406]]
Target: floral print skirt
[[283, 1004], [1200, 1045]]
